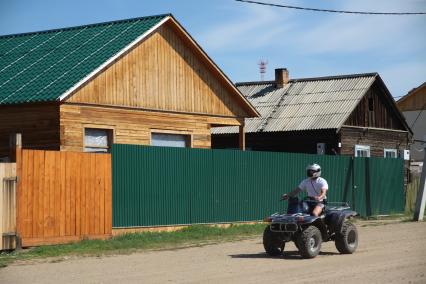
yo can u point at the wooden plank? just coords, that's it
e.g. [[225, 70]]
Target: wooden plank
[[35, 194], [48, 180], [108, 195], [71, 169], [28, 194], [42, 192], [85, 194], [21, 195], [77, 206], [63, 183], [57, 194], [97, 188], [68, 177], [101, 164], [92, 207]]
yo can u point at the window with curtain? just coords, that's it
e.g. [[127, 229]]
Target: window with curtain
[[97, 140], [390, 153], [170, 140], [362, 151]]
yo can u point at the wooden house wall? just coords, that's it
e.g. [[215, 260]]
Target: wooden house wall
[[381, 116], [132, 126], [296, 142], [377, 139], [164, 72], [414, 101], [38, 123]]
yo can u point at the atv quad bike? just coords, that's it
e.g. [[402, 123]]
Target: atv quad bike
[[308, 232]]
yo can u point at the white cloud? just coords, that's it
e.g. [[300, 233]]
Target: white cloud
[[258, 26], [360, 33]]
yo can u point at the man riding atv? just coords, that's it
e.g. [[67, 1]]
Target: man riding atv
[[315, 186], [311, 221]]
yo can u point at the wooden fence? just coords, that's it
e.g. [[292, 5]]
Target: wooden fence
[[7, 205], [63, 196]]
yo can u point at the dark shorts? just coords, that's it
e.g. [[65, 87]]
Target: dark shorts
[[313, 203]]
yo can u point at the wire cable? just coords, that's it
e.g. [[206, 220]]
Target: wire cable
[[334, 11], [420, 113]]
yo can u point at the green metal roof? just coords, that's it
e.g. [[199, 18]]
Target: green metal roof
[[42, 66]]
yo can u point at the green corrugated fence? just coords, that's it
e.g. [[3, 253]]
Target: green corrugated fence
[[154, 186]]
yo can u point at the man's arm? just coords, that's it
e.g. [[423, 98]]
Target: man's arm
[[322, 194], [292, 193]]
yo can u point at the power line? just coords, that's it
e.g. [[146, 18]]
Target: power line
[[334, 11], [420, 113]]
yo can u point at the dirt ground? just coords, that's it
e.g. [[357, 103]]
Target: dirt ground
[[392, 253]]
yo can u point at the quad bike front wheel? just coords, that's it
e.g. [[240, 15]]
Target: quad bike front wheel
[[309, 242], [272, 242], [347, 240]]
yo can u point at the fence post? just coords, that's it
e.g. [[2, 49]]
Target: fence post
[[421, 194], [16, 156]]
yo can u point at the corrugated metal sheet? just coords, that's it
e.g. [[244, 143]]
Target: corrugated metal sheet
[[168, 186], [379, 186], [321, 103], [41, 66]]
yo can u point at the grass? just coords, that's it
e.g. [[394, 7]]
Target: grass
[[191, 236]]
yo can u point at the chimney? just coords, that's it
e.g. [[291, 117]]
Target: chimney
[[281, 77]]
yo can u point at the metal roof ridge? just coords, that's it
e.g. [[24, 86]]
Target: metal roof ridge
[[86, 25], [346, 76], [254, 83]]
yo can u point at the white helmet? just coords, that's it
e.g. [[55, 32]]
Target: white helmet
[[313, 170]]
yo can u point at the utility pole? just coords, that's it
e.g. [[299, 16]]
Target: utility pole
[[421, 193]]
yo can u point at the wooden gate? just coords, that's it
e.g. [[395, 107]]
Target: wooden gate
[[7, 205], [63, 196]]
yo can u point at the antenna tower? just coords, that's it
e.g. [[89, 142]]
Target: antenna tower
[[262, 68]]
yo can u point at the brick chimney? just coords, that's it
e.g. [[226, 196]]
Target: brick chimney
[[281, 77]]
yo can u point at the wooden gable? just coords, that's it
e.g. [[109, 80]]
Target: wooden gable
[[166, 71], [414, 100], [377, 110]]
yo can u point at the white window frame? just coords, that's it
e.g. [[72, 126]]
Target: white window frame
[[110, 139], [394, 151], [362, 148]]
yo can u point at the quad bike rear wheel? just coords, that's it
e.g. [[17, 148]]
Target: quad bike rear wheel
[[272, 242], [309, 242], [347, 240]]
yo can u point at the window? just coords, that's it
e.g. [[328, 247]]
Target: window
[[170, 140], [362, 151], [370, 104], [390, 153], [97, 140]]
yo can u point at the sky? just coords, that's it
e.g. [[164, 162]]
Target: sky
[[238, 35]]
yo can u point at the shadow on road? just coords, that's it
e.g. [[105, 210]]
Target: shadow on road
[[286, 255]]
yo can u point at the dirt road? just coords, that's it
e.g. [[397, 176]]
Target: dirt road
[[393, 253]]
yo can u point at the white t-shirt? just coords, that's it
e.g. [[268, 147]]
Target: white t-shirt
[[313, 186]]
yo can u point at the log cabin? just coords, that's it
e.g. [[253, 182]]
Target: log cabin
[[135, 81], [336, 115]]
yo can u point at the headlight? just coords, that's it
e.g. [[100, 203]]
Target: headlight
[[300, 219], [267, 220]]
